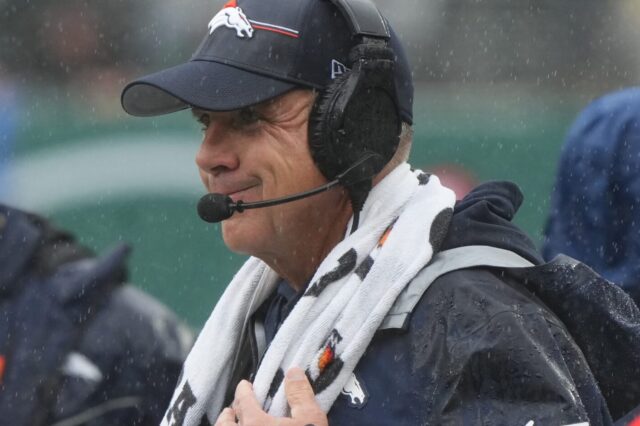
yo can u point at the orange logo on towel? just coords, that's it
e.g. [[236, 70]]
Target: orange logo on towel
[[3, 362]]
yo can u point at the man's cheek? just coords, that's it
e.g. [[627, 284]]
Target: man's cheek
[[243, 232], [204, 179]]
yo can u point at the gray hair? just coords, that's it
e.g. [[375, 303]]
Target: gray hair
[[404, 148]]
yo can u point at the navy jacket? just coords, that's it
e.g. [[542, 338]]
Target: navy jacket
[[78, 346], [477, 349], [596, 196]]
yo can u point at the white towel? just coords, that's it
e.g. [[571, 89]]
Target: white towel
[[405, 218]]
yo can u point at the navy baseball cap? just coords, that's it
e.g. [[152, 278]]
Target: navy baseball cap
[[255, 50]]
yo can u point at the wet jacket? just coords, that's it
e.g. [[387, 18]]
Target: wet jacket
[[477, 348], [77, 346], [596, 196]]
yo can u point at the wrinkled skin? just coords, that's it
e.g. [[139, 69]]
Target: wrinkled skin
[[262, 153]]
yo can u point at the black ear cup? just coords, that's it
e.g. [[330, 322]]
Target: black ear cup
[[371, 124], [330, 161], [357, 115]]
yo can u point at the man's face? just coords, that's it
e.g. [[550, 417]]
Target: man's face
[[258, 154]]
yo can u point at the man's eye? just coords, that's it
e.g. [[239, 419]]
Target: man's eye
[[246, 117], [205, 121]]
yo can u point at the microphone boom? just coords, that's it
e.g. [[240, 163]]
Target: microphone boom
[[214, 207]]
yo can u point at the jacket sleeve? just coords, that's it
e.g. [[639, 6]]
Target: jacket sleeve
[[138, 346], [496, 357]]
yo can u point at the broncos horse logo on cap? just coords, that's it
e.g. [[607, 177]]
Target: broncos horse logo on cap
[[231, 16]]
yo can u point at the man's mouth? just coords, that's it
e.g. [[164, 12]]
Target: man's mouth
[[238, 194]]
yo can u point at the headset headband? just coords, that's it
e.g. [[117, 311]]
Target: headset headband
[[364, 18]]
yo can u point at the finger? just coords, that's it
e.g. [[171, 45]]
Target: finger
[[245, 404], [226, 418], [300, 395]]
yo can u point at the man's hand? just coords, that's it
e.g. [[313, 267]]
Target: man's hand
[[246, 411]]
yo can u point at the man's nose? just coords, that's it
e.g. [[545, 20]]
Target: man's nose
[[217, 151]]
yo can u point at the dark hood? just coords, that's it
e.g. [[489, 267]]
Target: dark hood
[[19, 240], [593, 216], [30, 244], [484, 216]]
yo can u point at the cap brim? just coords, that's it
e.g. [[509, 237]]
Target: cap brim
[[211, 86]]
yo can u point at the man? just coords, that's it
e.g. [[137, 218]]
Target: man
[[330, 320], [597, 191], [77, 344]]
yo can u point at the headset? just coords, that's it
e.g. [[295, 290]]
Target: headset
[[357, 116]]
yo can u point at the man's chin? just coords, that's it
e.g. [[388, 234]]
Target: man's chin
[[237, 235]]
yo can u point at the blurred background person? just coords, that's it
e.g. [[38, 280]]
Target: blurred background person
[[595, 207], [79, 346]]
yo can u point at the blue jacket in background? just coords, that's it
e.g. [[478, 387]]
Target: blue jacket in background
[[77, 345], [595, 206]]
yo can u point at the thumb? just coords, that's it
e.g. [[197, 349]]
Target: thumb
[[300, 395]]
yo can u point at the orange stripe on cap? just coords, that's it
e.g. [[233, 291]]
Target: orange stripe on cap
[[274, 30], [231, 3]]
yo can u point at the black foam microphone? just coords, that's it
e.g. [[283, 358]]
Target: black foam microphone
[[216, 207]]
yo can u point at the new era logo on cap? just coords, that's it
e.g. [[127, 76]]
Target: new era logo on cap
[[337, 69]]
